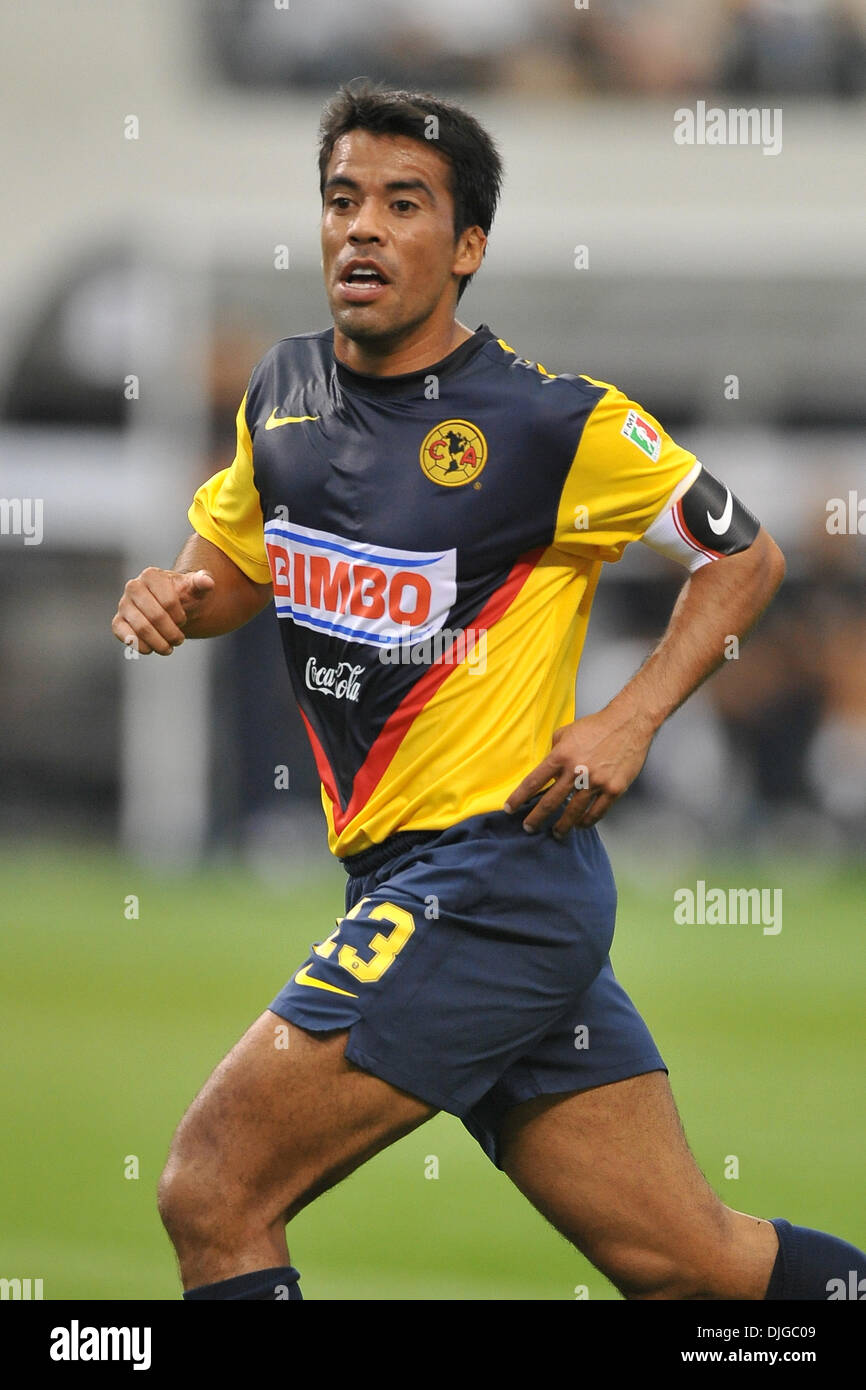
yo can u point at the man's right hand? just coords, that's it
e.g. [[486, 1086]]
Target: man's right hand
[[156, 607]]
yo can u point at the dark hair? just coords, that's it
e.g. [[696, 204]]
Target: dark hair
[[476, 168]]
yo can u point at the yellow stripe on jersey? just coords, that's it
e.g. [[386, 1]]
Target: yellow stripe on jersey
[[226, 509], [544, 372], [616, 486], [484, 729]]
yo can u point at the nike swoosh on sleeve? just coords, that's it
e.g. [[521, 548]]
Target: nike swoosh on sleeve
[[304, 977], [274, 420], [721, 523]]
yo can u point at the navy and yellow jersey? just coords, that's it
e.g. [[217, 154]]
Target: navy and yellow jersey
[[434, 541]]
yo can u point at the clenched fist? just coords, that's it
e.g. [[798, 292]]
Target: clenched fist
[[155, 608]]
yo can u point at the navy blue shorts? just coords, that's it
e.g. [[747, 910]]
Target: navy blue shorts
[[472, 970]]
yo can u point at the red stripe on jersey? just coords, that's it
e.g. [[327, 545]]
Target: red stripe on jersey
[[372, 770], [686, 535], [323, 767]]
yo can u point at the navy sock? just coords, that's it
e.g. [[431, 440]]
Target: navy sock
[[263, 1285], [813, 1265]]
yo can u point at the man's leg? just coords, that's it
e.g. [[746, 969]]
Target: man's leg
[[610, 1168], [272, 1128]]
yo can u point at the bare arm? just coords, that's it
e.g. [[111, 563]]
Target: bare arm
[[607, 750], [204, 595]]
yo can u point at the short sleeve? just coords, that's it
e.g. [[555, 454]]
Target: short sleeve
[[227, 509], [625, 469]]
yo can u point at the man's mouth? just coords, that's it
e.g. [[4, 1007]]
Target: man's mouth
[[362, 282]]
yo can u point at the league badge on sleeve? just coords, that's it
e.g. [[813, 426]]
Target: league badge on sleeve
[[642, 433]]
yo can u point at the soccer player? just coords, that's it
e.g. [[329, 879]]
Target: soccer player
[[429, 513]]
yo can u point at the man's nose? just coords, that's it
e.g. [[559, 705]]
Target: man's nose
[[366, 225]]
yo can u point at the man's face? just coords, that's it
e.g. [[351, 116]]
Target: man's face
[[387, 205]]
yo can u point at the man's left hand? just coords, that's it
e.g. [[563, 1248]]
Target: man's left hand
[[593, 761]]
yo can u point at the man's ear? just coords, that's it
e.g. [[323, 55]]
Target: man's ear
[[469, 251]]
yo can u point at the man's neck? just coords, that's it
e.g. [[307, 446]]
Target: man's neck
[[424, 349]]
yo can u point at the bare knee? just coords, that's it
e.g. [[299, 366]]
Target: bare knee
[[187, 1203], [645, 1262], [179, 1199], [727, 1255], [642, 1273], [202, 1200]]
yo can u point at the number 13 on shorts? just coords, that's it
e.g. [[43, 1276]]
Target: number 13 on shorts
[[384, 948]]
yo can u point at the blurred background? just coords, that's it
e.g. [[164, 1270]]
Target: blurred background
[[159, 233]]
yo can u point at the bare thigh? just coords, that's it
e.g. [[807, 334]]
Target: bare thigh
[[274, 1126], [610, 1168]]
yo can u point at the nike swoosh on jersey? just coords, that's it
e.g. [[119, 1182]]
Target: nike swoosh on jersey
[[304, 977], [274, 420], [721, 523]]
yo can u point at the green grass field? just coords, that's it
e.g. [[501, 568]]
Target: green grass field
[[110, 1026]]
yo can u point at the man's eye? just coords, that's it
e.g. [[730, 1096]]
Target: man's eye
[[404, 204], [340, 201]]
